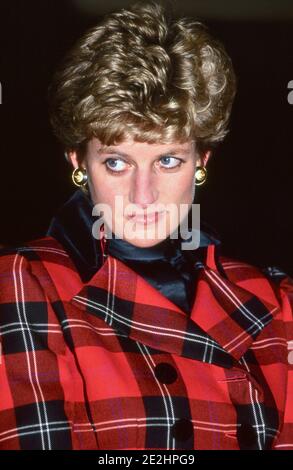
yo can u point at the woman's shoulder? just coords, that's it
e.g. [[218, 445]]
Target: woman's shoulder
[[35, 271], [37, 249], [19, 285], [267, 281], [23, 263], [235, 267]]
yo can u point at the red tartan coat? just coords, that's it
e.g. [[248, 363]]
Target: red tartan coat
[[113, 364]]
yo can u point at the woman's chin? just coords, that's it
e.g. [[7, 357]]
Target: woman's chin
[[144, 242], [142, 236]]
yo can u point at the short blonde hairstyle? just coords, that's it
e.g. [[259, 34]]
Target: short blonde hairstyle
[[145, 74]]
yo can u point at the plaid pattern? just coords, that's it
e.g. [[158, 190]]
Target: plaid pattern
[[113, 364]]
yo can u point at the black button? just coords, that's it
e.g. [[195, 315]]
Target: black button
[[165, 373], [182, 429], [246, 435]]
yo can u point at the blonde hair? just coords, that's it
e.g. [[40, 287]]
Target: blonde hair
[[145, 74]]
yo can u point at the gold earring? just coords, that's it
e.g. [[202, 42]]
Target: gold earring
[[79, 177], [200, 176]]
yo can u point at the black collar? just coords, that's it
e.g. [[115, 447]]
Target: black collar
[[72, 227]]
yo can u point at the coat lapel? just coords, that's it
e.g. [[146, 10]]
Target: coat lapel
[[224, 322]]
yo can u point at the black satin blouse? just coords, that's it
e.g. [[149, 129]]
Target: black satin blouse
[[165, 265]]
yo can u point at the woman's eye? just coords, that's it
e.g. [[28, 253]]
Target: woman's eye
[[170, 162], [115, 164]]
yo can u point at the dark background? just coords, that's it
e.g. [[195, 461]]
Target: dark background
[[249, 193]]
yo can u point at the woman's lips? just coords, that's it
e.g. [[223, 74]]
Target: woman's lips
[[147, 218]]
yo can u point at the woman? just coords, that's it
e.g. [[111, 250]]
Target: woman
[[113, 335]]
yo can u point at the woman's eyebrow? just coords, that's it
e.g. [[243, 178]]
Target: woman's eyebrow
[[112, 150], [171, 151]]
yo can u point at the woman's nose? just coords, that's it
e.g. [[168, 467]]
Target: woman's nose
[[143, 190]]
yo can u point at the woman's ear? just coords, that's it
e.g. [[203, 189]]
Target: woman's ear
[[206, 156], [72, 158]]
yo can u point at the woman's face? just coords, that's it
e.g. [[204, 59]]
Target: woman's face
[[147, 188]]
